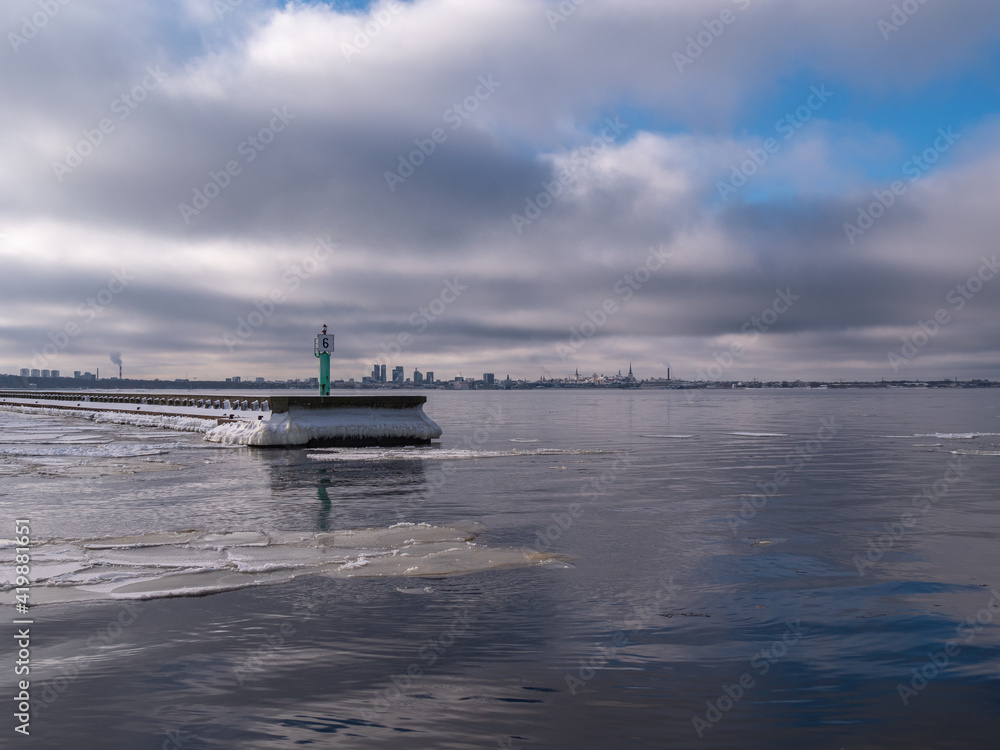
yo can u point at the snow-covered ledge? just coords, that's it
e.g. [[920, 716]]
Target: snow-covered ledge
[[241, 419]]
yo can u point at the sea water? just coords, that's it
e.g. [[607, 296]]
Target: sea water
[[563, 569]]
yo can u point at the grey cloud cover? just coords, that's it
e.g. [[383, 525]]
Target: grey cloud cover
[[349, 119]]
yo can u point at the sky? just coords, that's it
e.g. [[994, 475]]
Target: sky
[[735, 189]]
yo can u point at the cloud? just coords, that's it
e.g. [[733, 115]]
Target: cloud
[[277, 125]]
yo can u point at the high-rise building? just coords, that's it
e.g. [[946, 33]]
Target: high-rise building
[[25, 372], [397, 374], [429, 377], [36, 373], [236, 378], [489, 378], [375, 375], [381, 378], [418, 377], [76, 374], [55, 373], [46, 373]]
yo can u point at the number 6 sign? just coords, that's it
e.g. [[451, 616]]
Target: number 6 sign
[[324, 343]]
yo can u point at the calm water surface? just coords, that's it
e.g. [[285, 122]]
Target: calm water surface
[[812, 569]]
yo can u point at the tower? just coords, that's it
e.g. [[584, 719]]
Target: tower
[[322, 348]]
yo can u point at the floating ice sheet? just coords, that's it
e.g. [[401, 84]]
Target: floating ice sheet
[[121, 450], [947, 435], [194, 563], [444, 454]]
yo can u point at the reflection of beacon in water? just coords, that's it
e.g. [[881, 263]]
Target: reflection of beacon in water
[[322, 348]]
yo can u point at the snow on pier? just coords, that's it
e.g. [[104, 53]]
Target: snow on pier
[[241, 419]]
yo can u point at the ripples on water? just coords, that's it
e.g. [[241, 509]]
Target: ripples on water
[[673, 596]]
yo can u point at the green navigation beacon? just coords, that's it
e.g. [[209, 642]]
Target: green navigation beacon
[[322, 348]]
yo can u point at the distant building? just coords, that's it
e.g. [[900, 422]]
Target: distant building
[[375, 375], [36, 373], [418, 377], [397, 374], [46, 374], [381, 377], [489, 378], [236, 378], [259, 381], [76, 374], [55, 373], [429, 378], [25, 372]]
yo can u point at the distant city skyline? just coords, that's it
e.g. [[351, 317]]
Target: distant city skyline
[[776, 190]]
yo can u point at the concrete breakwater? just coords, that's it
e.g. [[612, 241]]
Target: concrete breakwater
[[261, 421]]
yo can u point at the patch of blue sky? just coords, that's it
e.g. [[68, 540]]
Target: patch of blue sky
[[903, 121], [343, 6]]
